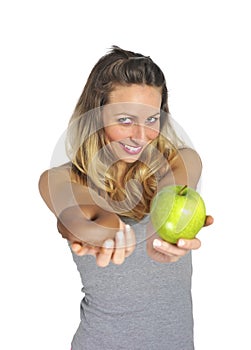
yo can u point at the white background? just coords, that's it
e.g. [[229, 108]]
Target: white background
[[47, 51]]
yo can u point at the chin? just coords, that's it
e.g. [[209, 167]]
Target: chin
[[129, 160], [126, 158]]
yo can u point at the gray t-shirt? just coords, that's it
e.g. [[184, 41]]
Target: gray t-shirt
[[139, 305]]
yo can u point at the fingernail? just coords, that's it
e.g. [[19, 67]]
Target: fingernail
[[120, 235], [108, 244], [181, 243], [127, 228], [157, 243]]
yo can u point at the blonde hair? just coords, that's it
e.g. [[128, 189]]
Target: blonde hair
[[93, 164]]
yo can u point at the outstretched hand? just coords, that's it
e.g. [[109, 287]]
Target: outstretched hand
[[164, 252], [113, 250]]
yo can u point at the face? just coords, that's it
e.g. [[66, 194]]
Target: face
[[132, 120]]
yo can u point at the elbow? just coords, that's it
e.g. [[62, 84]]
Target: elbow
[[66, 230], [74, 225], [69, 224]]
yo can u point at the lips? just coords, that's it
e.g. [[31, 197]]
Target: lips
[[131, 149]]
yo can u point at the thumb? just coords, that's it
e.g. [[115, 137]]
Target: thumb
[[209, 220]]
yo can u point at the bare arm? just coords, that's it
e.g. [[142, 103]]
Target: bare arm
[[82, 214], [185, 169]]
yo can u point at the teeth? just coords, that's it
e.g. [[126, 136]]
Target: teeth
[[132, 149]]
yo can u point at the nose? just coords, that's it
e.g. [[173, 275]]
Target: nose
[[139, 133]]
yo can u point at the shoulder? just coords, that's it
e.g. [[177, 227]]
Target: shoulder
[[185, 168], [50, 178], [63, 169], [188, 166], [189, 157], [59, 173]]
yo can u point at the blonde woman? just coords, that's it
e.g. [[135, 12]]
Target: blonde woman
[[122, 150]]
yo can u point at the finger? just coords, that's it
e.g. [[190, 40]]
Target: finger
[[83, 249], [130, 240], [168, 248], [121, 225], [92, 251], [79, 249], [189, 244], [119, 253], [104, 257], [209, 220]]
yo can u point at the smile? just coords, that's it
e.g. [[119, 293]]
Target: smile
[[131, 149]]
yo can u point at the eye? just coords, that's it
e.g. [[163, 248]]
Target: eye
[[125, 121], [152, 120]]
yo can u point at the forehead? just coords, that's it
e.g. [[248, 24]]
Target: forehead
[[135, 100], [138, 94], [138, 110]]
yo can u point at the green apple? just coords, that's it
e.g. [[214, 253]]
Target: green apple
[[177, 212]]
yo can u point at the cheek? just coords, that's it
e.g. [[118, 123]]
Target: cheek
[[115, 133], [152, 134]]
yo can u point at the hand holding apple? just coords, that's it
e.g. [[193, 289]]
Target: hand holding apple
[[177, 212]]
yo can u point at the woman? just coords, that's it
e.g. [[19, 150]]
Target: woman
[[137, 287]]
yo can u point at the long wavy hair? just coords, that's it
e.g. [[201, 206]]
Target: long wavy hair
[[93, 164]]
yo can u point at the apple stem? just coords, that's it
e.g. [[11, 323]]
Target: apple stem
[[181, 192]]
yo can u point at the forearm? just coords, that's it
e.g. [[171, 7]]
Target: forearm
[[88, 223]]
